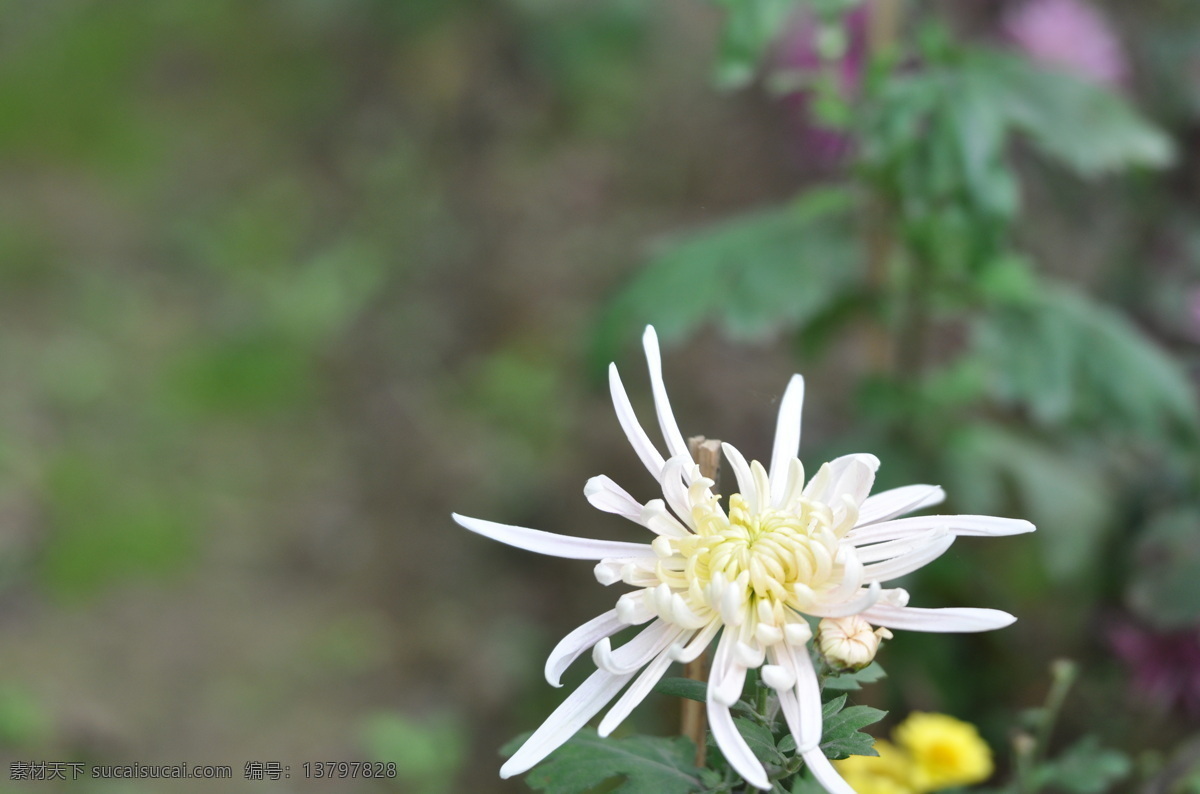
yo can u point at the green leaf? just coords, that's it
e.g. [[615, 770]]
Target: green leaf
[[806, 785], [1165, 585], [642, 763], [1072, 361], [754, 275], [1086, 768], [849, 682], [842, 737], [683, 688], [1078, 123], [760, 740]]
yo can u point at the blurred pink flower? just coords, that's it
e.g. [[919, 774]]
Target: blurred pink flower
[[1072, 34], [1165, 665]]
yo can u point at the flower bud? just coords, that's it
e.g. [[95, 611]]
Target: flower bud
[[849, 643]]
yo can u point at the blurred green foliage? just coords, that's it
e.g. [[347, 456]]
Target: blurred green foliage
[[427, 751], [220, 219]]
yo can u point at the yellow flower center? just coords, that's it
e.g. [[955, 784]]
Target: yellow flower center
[[755, 564], [777, 549]]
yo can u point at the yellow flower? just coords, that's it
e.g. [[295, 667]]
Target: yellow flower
[[944, 751], [886, 773]]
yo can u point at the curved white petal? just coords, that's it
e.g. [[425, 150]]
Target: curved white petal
[[865, 599], [898, 501], [566, 546], [666, 420], [572, 646], [726, 677], [635, 694], [660, 521], [824, 772], [696, 645], [966, 526], [852, 478], [787, 437], [852, 474], [734, 747], [651, 458], [604, 494], [574, 712], [906, 544], [635, 654], [745, 478], [951, 620], [675, 491], [801, 705], [907, 563]]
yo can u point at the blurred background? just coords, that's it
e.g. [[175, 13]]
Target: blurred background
[[284, 283]]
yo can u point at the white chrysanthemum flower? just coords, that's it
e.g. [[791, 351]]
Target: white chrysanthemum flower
[[786, 549]]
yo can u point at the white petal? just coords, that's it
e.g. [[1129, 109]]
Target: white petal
[[907, 563], [571, 548], [674, 489], [696, 645], [824, 772], [579, 707], [745, 479], [898, 501], [864, 599], [801, 705], [635, 608], [666, 420], [606, 495], [787, 437], [952, 620], [904, 544], [635, 694], [660, 521], [967, 526], [637, 571], [651, 458], [572, 646], [726, 677], [853, 476], [734, 747], [635, 654], [777, 677]]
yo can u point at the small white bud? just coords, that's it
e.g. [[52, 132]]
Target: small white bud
[[849, 643]]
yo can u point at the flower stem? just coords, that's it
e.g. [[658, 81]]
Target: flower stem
[[707, 454], [1064, 672]]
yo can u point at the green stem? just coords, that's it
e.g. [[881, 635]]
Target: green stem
[[1064, 673]]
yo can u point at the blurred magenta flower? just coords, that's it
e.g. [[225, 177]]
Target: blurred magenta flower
[[798, 59], [1072, 34], [1165, 665]]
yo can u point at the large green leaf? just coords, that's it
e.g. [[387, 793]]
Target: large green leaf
[[643, 763], [1078, 123], [1071, 361], [754, 275]]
